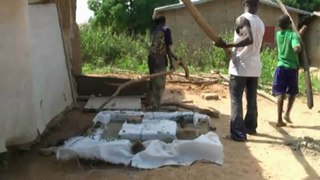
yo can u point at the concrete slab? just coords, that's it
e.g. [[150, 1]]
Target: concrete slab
[[118, 103]]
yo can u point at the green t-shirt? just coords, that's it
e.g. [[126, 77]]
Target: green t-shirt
[[286, 41]]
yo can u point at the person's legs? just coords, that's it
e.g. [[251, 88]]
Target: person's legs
[[251, 117], [280, 99], [293, 90], [158, 88], [279, 89], [289, 107], [237, 128], [156, 64], [149, 93]]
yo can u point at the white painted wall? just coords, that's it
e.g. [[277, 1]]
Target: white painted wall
[[50, 74], [34, 81], [17, 113]]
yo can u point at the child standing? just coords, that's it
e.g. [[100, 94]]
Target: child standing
[[286, 74]]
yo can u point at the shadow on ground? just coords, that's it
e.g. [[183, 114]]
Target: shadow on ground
[[239, 162]]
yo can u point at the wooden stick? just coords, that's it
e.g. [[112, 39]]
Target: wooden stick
[[112, 84], [210, 112], [199, 82], [133, 81], [187, 101], [197, 77], [302, 30], [204, 25], [303, 57]]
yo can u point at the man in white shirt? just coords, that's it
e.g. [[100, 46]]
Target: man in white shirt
[[244, 70]]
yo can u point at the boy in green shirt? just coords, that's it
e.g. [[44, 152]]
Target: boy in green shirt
[[286, 74]]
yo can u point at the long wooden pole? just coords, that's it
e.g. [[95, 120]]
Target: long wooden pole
[[303, 57], [204, 25]]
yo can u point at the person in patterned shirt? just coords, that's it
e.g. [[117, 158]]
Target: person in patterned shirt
[[159, 53]]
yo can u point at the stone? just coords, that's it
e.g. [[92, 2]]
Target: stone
[[137, 147], [187, 133], [210, 96]]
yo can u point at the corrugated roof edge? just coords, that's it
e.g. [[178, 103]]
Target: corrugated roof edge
[[316, 13], [266, 2]]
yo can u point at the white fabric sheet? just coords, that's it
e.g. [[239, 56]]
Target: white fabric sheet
[[157, 153]]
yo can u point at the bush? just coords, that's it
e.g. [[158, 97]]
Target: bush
[[203, 59], [269, 59], [101, 48], [206, 58], [314, 81]]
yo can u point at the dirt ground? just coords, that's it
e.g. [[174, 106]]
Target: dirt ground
[[275, 153]]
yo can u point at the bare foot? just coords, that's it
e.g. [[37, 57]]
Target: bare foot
[[287, 119], [281, 124]]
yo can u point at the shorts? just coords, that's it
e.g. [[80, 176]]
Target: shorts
[[285, 81]]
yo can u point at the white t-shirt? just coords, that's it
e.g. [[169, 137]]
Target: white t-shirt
[[245, 61]]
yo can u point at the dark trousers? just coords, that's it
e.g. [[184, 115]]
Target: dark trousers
[[239, 126]]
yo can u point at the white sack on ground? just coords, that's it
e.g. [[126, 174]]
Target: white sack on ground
[[181, 152], [157, 153], [116, 152]]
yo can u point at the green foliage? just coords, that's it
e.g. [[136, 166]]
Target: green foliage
[[101, 47], [103, 51], [204, 59], [134, 16], [314, 81], [269, 63], [307, 5]]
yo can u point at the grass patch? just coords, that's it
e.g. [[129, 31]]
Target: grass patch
[[314, 81], [105, 52]]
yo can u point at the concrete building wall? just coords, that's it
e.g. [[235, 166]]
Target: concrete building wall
[[35, 82], [312, 41], [220, 14], [17, 113], [71, 33], [51, 80]]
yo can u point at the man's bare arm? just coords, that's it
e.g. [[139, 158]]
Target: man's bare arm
[[244, 30], [171, 56]]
